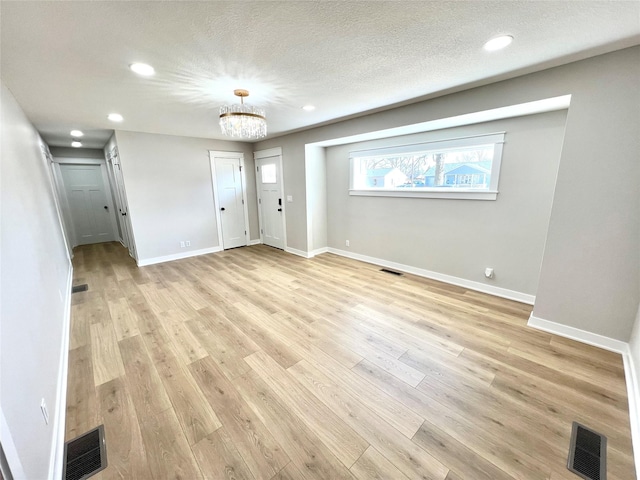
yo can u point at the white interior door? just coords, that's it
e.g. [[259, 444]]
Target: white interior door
[[270, 201], [120, 233], [89, 206], [229, 186], [123, 207]]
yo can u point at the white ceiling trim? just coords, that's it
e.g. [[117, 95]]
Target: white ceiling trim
[[518, 110]]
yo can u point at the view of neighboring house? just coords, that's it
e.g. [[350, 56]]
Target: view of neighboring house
[[385, 178], [462, 175]]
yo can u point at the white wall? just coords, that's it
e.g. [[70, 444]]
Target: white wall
[[589, 278], [316, 201], [35, 295], [170, 192], [458, 237]]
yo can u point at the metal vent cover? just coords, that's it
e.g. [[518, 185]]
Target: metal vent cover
[[80, 288], [393, 272], [85, 455], [587, 453]]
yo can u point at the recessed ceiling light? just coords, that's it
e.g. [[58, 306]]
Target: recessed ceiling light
[[76, 144], [309, 108], [142, 69], [76, 133], [498, 43], [115, 117]]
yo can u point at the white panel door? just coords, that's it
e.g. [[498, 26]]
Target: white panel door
[[89, 208], [229, 182], [269, 181], [123, 206]]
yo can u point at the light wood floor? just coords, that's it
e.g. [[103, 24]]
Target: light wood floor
[[257, 364]]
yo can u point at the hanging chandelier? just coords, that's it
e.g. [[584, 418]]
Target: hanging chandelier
[[243, 121]]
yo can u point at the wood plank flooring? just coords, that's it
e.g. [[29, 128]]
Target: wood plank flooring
[[257, 364]]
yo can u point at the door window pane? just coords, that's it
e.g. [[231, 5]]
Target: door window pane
[[269, 173]]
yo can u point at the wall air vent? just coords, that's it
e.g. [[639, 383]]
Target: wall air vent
[[587, 453], [86, 455], [79, 288], [392, 272]]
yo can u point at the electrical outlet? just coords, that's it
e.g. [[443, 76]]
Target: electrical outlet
[[488, 272], [188, 243], [181, 244], [348, 243], [45, 412], [289, 198]]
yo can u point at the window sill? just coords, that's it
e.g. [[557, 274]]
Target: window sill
[[450, 195]]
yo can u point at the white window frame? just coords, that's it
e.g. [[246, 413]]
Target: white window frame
[[495, 139]]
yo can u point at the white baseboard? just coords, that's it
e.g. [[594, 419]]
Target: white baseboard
[[177, 256], [56, 462], [295, 251], [318, 251], [255, 242], [461, 282], [583, 336], [630, 370], [302, 253], [633, 395]]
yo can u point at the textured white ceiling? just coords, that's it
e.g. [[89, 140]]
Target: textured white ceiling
[[67, 62]]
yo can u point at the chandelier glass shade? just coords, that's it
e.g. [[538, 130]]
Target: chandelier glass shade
[[243, 121]]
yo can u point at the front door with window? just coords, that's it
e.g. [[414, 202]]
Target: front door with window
[[270, 202]]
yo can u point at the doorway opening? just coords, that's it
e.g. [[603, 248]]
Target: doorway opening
[[86, 201]]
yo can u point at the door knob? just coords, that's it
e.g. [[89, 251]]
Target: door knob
[[222, 209], [279, 209], [106, 208]]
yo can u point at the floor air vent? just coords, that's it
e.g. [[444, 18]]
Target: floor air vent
[[392, 272], [587, 453], [85, 455], [80, 288]]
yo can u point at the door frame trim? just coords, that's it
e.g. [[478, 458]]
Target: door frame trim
[[116, 200], [57, 197], [259, 155], [213, 154], [113, 158]]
